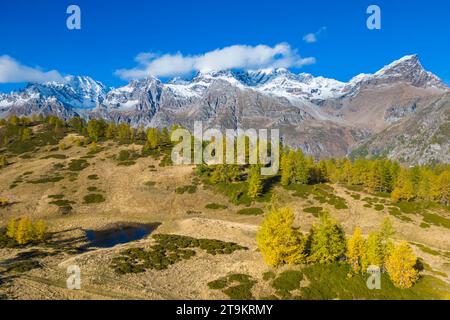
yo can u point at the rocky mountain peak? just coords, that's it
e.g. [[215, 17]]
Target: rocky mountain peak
[[406, 70]]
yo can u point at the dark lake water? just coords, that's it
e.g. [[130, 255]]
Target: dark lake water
[[119, 234]]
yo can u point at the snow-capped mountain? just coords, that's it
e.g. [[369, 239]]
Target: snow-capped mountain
[[304, 86], [407, 70], [75, 93], [323, 116], [85, 93]]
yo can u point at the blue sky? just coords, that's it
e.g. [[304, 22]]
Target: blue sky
[[34, 34]]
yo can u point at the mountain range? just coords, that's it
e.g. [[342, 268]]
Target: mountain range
[[401, 112]]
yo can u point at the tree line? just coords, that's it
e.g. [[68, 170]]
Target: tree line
[[421, 183], [281, 243], [25, 231], [17, 129]]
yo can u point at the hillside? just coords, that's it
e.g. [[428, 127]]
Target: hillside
[[85, 192]]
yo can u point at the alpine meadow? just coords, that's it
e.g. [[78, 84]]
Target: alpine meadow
[[319, 189]]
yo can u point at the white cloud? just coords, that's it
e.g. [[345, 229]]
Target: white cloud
[[12, 71], [310, 38], [232, 57], [313, 37]]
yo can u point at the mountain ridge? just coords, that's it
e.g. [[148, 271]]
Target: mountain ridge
[[324, 117]]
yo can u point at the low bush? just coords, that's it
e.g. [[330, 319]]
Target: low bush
[[55, 156], [46, 180], [235, 286], [251, 212], [78, 165], [168, 250], [287, 281], [186, 189], [94, 198], [314, 211], [215, 206]]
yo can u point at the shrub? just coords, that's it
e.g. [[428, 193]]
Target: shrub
[[124, 155], [215, 206], [150, 183], [78, 165], [186, 189], [62, 203], [313, 210], [268, 275], [56, 196], [94, 198], [168, 250], [250, 212], [23, 266], [127, 163], [55, 156], [287, 281], [218, 284], [240, 291], [46, 180]]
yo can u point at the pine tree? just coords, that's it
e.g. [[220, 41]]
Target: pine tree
[[224, 173], [323, 172], [424, 188], [357, 251], [11, 228], [374, 182], [278, 241], [301, 167], [332, 172], [24, 232], [400, 266], [152, 138], [123, 132], [165, 137], [255, 185], [374, 250], [94, 129], [441, 189], [132, 134], [77, 123], [26, 134], [404, 187], [14, 120], [386, 179], [110, 131], [3, 161], [327, 240], [62, 146], [40, 231], [408, 190], [287, 167], [385, 234], [360, 172], [93, 147]]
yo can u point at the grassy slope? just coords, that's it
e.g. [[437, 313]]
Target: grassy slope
[[326, 282]]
